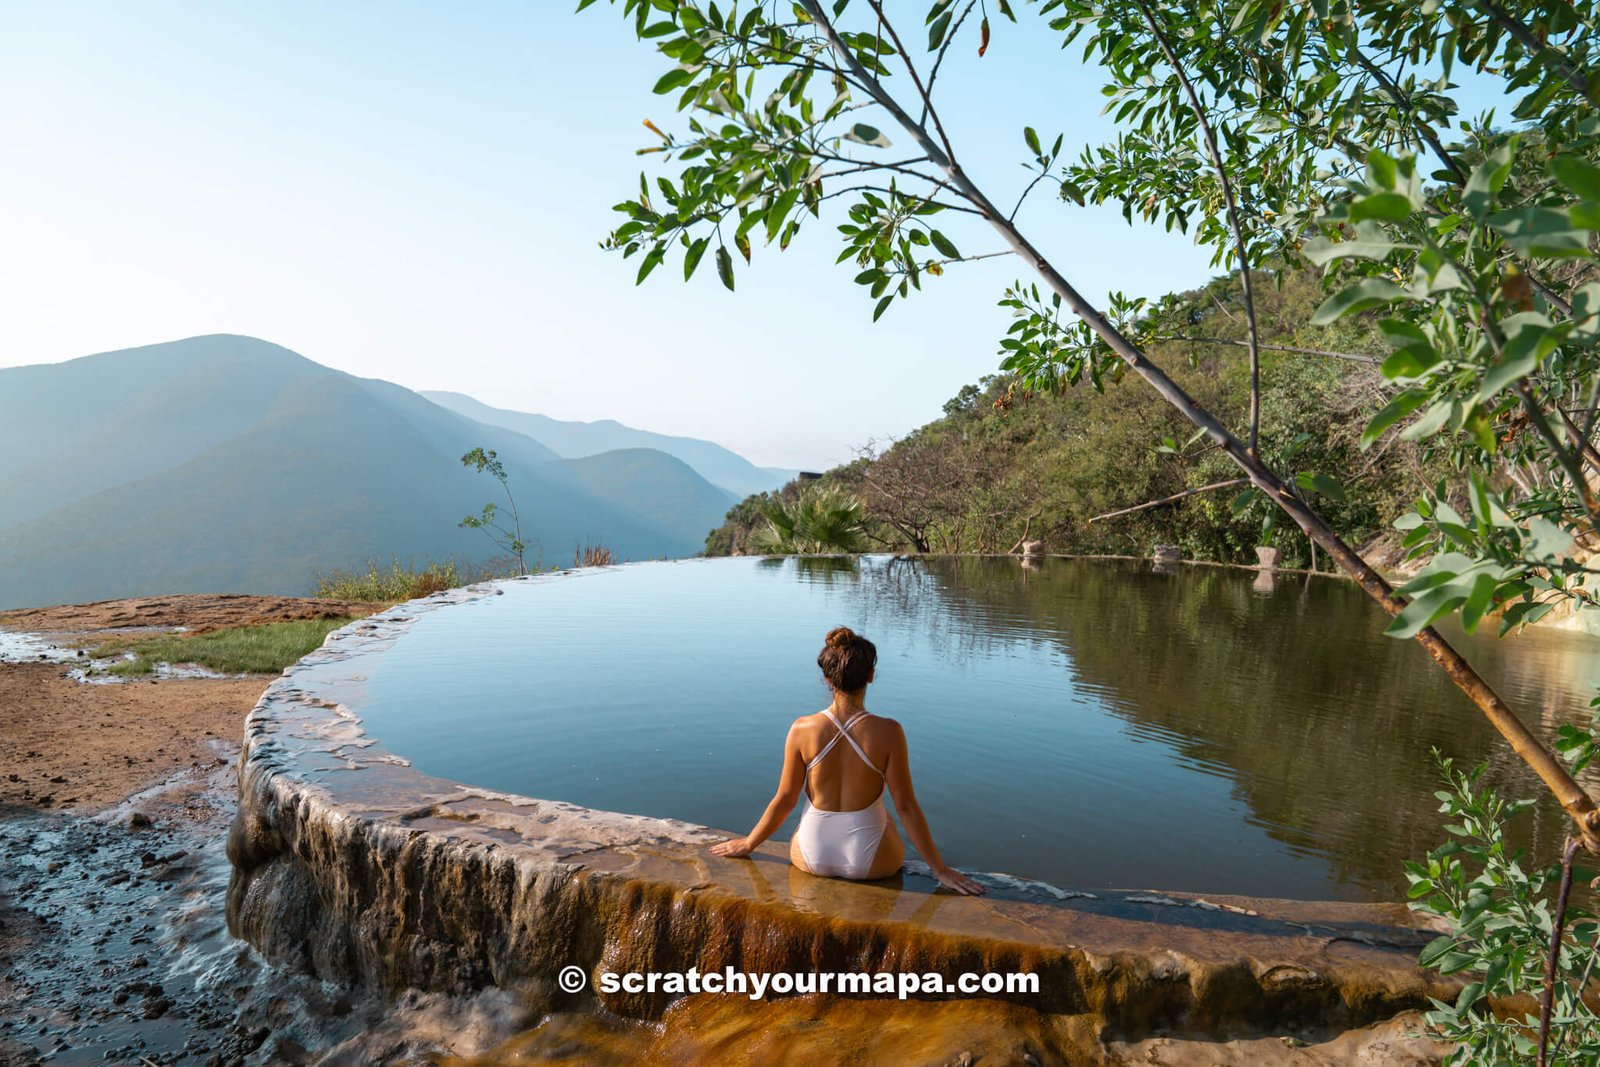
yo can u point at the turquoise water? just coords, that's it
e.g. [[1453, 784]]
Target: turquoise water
[[1087, 723]]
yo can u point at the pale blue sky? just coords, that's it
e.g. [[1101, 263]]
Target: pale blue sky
[[416, 192]]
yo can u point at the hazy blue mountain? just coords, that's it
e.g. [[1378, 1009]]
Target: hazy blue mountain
[[226, 463], [652, 483], [716, 464]]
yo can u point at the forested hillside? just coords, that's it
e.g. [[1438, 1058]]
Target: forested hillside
[[1000, 461]]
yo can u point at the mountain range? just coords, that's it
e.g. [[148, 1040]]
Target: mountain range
[[229, 464], [574, 440]]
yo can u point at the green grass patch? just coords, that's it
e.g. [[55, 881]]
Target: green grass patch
[[397, 581], [265, 649]]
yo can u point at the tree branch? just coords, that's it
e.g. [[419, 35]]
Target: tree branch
[[1295, 350], [1174, 498], [1525, 37], [939, 59], [1043, 173], [1567, 458], [1425, 131], [885, 190], [1233, 219], [911, 69]]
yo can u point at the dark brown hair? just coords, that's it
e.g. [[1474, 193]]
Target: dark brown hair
[[847, 659]]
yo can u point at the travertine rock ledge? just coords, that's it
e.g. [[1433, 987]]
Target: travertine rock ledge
[[353, 865]]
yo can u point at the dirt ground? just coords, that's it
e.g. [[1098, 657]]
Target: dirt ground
[[69, 745], [200, 613]]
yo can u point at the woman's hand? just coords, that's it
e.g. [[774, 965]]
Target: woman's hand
[[951, 878], [733, 848]]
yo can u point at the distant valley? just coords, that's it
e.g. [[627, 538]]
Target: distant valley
[[227, 463]]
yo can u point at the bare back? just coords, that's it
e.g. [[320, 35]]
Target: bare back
[[842, 781]]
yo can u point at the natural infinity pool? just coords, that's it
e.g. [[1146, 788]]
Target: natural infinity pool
[[1086, 723]]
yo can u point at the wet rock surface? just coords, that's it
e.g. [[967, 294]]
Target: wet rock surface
[[114, 948]]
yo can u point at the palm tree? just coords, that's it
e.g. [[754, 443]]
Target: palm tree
[[820, 519]]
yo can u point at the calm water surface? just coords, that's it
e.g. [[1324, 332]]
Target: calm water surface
[[1087, 723]]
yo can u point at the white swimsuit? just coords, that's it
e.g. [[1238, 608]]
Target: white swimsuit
[[841, 844]]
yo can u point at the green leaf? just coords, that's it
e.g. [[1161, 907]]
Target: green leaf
[[1488, 178], [1586, 311], [1577, 174], [779, 211], [673, 79], [725, 266], [1327, 486], [1392, 207], [936, 32], [1507, 371], [1370, 242], [1392, 412], [1423, 612], [1478, 601], [1481, 427], [1411, 362], [861, 133], [1435, 949], [1540, 231], [691, 258], [1030, 135], [1381, 170], [945, 246], [1365, 294]]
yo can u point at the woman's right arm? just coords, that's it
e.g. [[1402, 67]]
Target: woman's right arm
[[898, 778], [791, 781]]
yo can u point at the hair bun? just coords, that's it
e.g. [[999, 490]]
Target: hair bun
[[847, 659]]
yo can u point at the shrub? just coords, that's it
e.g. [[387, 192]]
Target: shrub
[[1501, 919], [397, 582]]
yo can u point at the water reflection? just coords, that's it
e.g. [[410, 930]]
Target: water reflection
[[1089, 723], [1324, 726]]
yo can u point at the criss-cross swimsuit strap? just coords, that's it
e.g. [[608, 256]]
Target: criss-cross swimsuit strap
[[844, 732]]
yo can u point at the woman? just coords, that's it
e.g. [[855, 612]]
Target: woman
[[842, 760]]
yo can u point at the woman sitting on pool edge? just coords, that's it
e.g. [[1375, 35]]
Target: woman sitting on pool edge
[[851, 836]]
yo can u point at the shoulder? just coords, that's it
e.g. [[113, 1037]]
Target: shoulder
[[805, 724], [887, 727]]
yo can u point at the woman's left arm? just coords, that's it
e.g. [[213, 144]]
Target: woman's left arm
[[790, 784]]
